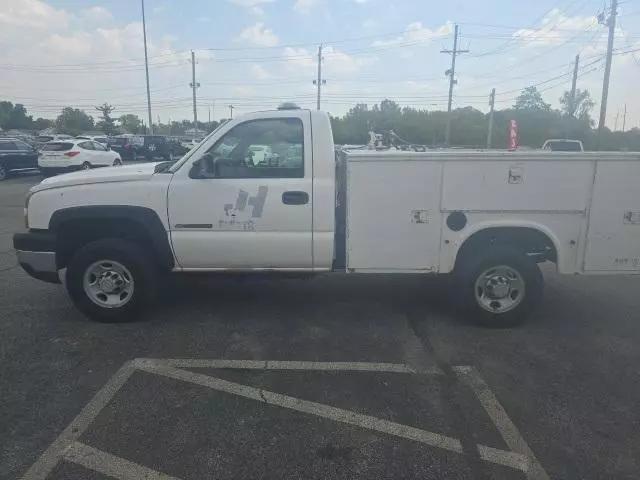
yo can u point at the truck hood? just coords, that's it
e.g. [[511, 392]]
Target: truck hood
[[125, 173]]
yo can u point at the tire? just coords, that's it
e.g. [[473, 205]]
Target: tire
[[117, 162], [499, 288], [86, 166], [4, 173], [108, 256]]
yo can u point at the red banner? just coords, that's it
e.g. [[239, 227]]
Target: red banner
[[513, 135]]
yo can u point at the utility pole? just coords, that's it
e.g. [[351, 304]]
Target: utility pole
[[624, 119], [146, 67], [231, 107], [572, 96], [492, 100], [452, 81], [611, 22], [319, 82], [194, 85]]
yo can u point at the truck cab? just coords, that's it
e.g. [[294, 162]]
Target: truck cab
[[259, 186]]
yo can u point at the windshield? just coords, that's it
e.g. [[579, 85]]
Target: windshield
[[194, 151]]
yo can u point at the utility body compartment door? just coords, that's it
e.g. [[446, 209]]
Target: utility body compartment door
[[393, 215], [243, 199], [613, 239]]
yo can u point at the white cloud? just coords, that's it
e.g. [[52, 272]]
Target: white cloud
[[243, 91], [556, 28], [32, 14], [415, 32], [335, 61], [258, 35], [253, 6], [96, 14], [305, 6], [369, 23], [260, 72]]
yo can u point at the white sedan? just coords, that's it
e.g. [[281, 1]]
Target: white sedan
[[75, 154]]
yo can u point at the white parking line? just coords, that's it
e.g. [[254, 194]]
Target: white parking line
[[503, 423], [66, 445], [111, 465], [51, 456], [510, 459], [293, 365]]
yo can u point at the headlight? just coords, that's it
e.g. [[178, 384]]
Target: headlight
[[26, 209]]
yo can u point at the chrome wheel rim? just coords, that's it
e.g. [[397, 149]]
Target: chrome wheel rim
[[499, 289], [108, 284], [86, 166]]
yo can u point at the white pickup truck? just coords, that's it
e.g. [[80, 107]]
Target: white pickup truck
[[489, 217]]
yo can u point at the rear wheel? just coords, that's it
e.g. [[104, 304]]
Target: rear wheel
[[111, 280], [499, 288], [86, 166]]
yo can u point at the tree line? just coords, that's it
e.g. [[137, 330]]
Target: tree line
[[537, 122], [74, 121]]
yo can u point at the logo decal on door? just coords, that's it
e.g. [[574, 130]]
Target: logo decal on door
[[236, 216]]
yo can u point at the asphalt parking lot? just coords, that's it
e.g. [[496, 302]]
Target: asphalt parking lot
[[331, 377]]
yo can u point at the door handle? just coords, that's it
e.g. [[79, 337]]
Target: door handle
[[295, 198]]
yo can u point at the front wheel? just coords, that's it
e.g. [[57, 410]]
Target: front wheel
[[111, 280], [499, 288]]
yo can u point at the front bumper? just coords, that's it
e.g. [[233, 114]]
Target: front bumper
[[36, 252]]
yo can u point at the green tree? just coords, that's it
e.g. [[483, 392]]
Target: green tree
[[107, 124], [73, 121], [580, 108], [130, 123], [531, 99], [43, 123], [14, 116]]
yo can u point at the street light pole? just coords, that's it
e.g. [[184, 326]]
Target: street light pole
[[146, 67]]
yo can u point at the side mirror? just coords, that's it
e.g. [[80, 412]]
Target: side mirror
[[196, 170]]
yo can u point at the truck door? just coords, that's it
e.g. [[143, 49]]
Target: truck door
[[231, 209], [613, 239]]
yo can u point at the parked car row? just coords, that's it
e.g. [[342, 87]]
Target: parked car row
[[58, 153]]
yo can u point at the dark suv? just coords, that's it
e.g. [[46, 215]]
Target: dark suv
[[126, 146], [16, 155], [150, 147]]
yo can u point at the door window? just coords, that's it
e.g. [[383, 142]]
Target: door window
[[5, 146], [99, 147], [22, 146], [86, 145], [269, 148]]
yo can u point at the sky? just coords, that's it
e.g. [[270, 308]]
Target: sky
[[255, 54]]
